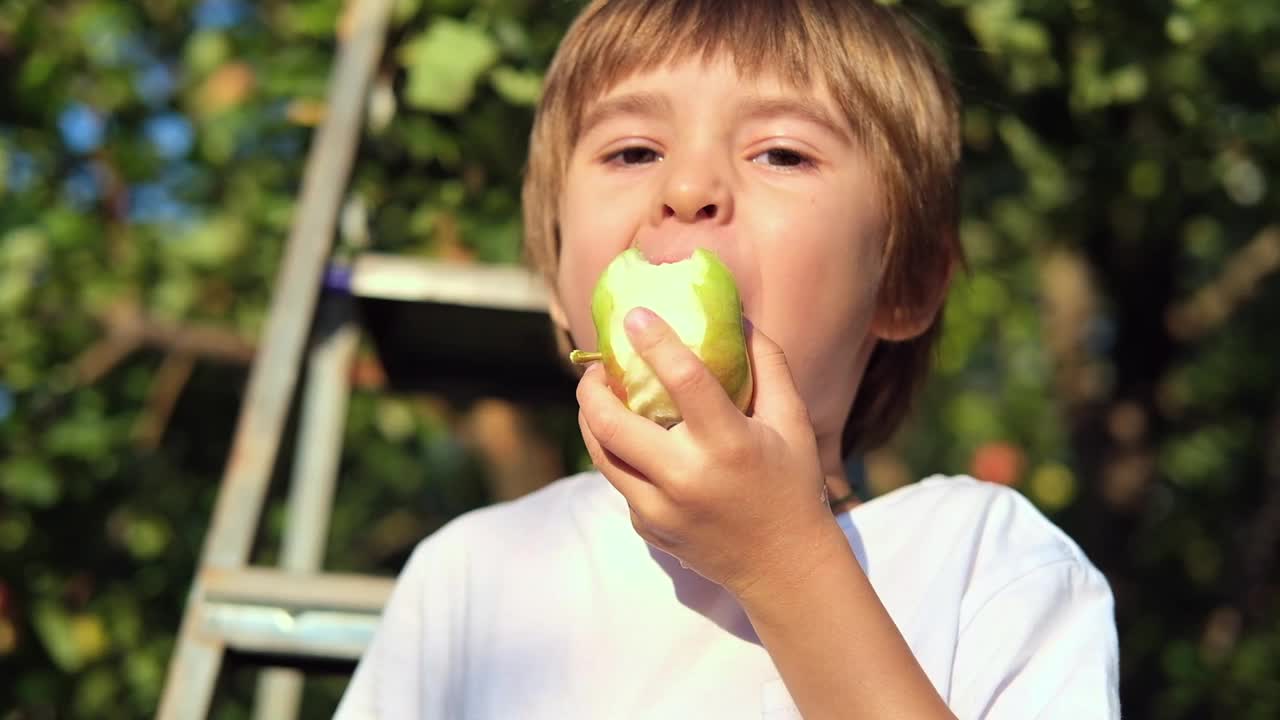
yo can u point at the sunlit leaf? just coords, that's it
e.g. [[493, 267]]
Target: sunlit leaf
[[515, 86], [63, 636], [210, 243], [444, 64]]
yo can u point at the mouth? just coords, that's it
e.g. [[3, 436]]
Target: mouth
[[667, 256]]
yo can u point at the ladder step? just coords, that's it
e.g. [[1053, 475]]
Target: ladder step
[[412, 279], [273, 612]]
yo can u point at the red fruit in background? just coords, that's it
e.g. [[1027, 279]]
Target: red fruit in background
[[998, 462]]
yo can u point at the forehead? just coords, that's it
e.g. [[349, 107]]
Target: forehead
[[713, 83], [649, 89]]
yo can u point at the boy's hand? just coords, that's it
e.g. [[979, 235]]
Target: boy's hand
[[738, 499]]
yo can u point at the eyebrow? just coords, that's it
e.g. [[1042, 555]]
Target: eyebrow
[[643, 104], [653, 105], [765, 108]]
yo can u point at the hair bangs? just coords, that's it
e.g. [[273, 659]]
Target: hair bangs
[[622, 39]]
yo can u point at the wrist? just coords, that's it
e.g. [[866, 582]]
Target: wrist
[[810, 562]]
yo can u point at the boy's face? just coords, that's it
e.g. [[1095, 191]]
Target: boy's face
[[765, 175]]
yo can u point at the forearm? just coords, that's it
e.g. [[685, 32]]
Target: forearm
[[835, 646]]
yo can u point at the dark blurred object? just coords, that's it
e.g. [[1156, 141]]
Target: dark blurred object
[[463, 331]]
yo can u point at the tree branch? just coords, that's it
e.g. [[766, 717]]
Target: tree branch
[[166, 388], [128, 329], [1214, 303]]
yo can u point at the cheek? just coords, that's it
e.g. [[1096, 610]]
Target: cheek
[[576, 280], [820, 279], [590, 239]]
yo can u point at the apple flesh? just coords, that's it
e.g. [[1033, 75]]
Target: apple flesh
[[698, 298]]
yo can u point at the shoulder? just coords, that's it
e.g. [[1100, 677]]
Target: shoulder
[[1003, 543], [1031, 618], [994, 518], [505, 529], [537, 513]]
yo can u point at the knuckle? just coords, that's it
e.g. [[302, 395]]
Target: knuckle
[[679, 489], [686, 377], [687, 492], [734, 451], [605, 429], [602, 423]]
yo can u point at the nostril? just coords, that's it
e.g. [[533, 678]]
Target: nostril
[[706, 212]]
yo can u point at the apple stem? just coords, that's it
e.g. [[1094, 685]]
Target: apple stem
[[582, 357]]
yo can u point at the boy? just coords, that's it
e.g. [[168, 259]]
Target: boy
[[813, 145]]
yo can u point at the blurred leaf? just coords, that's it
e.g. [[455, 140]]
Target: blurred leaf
[[70, 640], [96, 695], [405, 9], [87, 436], [15, 528], [205, 50], [515, 86], [30, 481], [23, 253], [316, 19], [444, 63], [210, 243], [1053, 486]]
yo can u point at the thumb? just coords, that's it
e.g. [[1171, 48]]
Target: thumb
[[776, 396]]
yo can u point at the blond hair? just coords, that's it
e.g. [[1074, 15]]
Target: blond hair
[[893, 91]]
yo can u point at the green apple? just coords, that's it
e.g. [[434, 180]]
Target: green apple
[[698, 298]]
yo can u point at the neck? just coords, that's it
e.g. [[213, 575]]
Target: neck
[[830, 437], [834, 472]]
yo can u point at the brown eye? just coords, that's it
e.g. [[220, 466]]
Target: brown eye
[[781, 157], [634, 156]]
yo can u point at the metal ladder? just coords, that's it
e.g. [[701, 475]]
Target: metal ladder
[[295, 615]]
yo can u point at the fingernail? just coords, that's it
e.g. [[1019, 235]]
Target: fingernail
[[640, 320]]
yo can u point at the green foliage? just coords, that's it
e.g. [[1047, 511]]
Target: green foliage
[[1114, 337], [444, 64]]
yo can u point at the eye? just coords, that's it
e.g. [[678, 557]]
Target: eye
[[782, 158], [634, 156]]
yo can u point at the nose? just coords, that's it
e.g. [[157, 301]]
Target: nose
[[695, 190]]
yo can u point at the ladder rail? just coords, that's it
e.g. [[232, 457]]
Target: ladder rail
[[314, 476], [273, 378], [197, 657]]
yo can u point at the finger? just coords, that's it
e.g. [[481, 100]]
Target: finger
[[633, 439], [707, 410], [638, 491], [776, 395]]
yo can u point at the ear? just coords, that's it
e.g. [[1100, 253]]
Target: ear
[[897, 323], [556, 311]]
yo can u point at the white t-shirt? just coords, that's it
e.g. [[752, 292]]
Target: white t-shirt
[[552, 606]]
